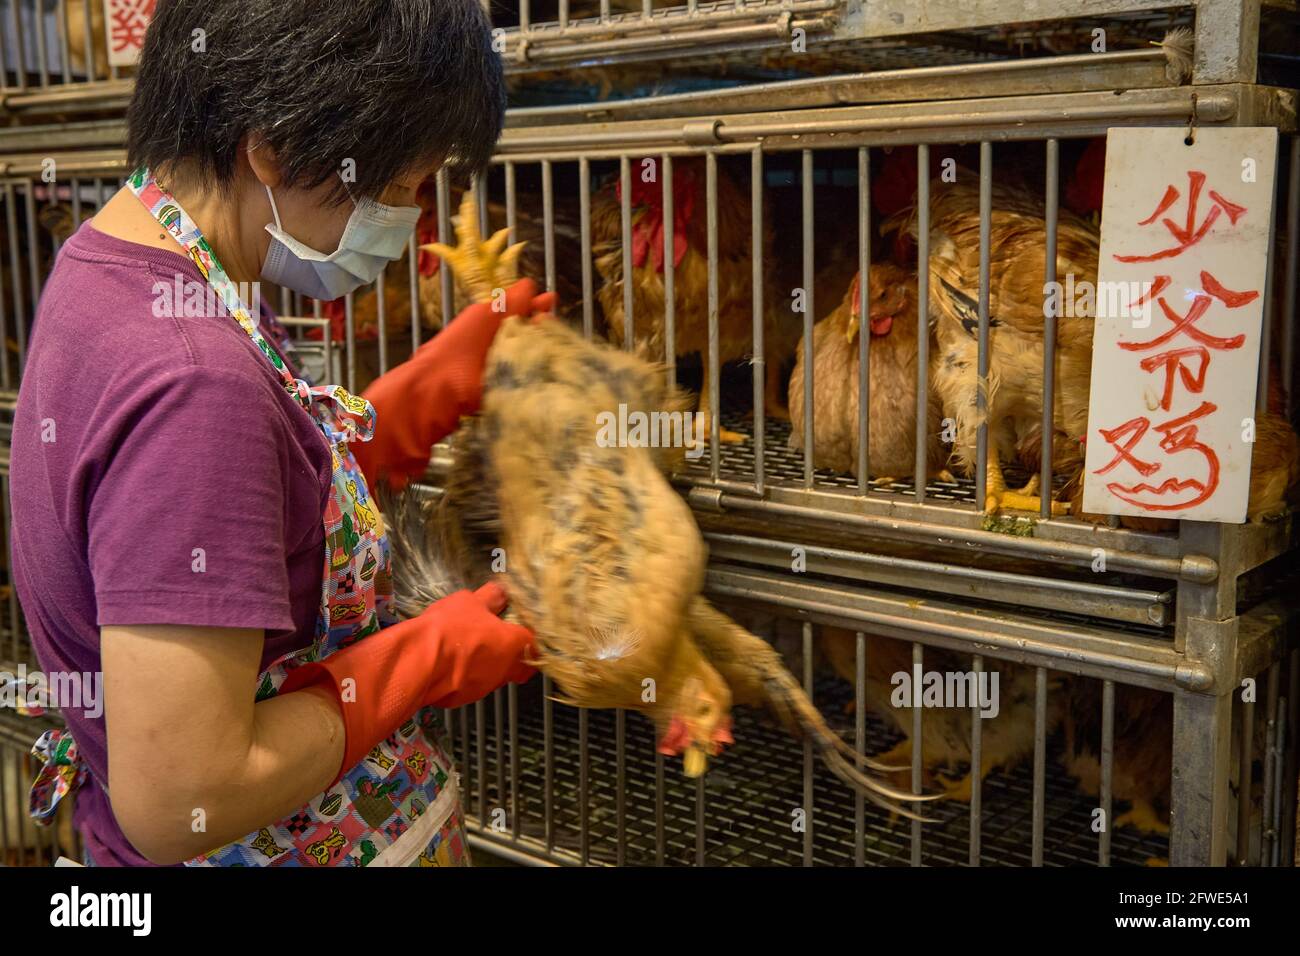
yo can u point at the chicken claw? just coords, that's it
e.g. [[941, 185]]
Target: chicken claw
[[483, 266], [999, 498]]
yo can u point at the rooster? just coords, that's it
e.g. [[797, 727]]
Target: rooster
[[1014, 389], [691, 273], [893, 324], [604, 562], [1006, 740]]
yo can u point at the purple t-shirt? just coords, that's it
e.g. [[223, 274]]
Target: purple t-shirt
[[160, 475]]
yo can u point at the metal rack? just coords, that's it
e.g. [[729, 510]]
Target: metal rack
[[912, 559]]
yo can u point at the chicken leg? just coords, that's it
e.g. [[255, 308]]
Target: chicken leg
[[724, 434], [999, 498]]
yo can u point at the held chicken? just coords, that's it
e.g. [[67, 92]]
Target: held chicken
[[1006, 738], [690, 274], [891, 357], [1014, 388], [604, 561]]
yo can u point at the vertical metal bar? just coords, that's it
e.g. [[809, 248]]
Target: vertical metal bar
[[413, 289], [443, 191], [1245, 755], [89, 41], [584, 786], [923, 300], [350, 342], [620, 732], [33, 269], [564, 13], [659, 809], [918, 743], [1107, 768], [860, 744], [1279, 791], [5, 841], [584, 214], [4, 74], [11, 242], [15, 619], [481, 202], [548, 222], [670, 276], [701, 821], [604, 11], [480, 739], [381, 296], [809, 318], [1266, 329], [1268, 833], [809, 764], [20, 62], [466, 759], [524, 16], [714, 374], [512, 702], [982, 355], [1040, 766], [548, 759], [756, 292], [1290, 754], [1049, 331], [42, 63], [976, 765], [499, 726], [864, 337], [11, 225], [1292, 268], [64, 53], [625, 187]]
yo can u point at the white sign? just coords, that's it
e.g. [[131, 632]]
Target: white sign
[[127, 21], [1180, 300]]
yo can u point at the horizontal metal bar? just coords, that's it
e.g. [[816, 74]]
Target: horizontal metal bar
[[1071, 647], [630, 24], [1134, 606], [693, 39]]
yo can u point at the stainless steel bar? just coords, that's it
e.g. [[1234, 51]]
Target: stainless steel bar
[[1292, 277], [864, 339], [11, 225], [584, 786], [604, 11], [584, 214], [1291, 755], [1280, 791], [443, 191], [512, 702], [548, 223], [16, 641], [1049, 331], [10, 241], [480, 738], [659, 809], [412, 289], [350, 342], [481, 202], [1246, 757], [20, 63], [1107, 769], [670, 276], [809, 765], [499, 726], [918, 746], [923, 298], [1268, 833], [33, 270], [64, 53], [524, 16], [701, 821], [982, 353], [381, 320], [548, 758], [4, 81], [759, 369], [89, 40], [1039, 812], [625, 188], [564, 13], [809, 318], [860, 744], [713, 379], [976, 764], [466, 760], [42, 54], [620, 732], [284, 301], [1264, 369]]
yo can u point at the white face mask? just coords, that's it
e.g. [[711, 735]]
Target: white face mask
[[374, 236]]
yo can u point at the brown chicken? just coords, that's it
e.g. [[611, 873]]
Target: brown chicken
[[1006, 740], [691, 273], [604, 561], [891, 432], [1015, 381], [1142, 748]]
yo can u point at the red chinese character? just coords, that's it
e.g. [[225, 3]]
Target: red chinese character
[[1187, 323], [1180, 434], [1172, 360], [1189, 233], [128, 21]]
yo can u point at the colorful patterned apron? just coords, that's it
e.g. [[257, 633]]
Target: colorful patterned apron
[[400, 806]]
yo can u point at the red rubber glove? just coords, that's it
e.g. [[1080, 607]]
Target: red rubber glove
[[456, 652], [421, 401]]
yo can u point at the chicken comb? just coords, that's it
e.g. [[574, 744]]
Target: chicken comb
[[481, 265]]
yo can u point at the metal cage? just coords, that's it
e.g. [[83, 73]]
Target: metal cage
[[1190, 614]]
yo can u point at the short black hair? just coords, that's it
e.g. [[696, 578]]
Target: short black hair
[[389, 84]]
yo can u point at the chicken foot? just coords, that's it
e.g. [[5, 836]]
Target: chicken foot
[[705, 409], [756, 675], [999, 498]]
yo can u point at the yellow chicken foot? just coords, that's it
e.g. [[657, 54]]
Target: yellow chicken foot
[[482, 265], [724, 434], [999, 498], [1142, 816]]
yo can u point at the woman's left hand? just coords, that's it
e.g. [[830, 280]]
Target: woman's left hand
[[422, 400]]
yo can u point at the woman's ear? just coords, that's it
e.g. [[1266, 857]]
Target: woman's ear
[[263, 162]]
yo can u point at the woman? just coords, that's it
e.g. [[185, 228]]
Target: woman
[[177, 489]]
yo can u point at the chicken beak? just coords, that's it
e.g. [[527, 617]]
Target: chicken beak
[[851, 332], [695, 762]]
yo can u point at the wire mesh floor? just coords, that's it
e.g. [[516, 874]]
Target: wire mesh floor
[[750, 797]]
